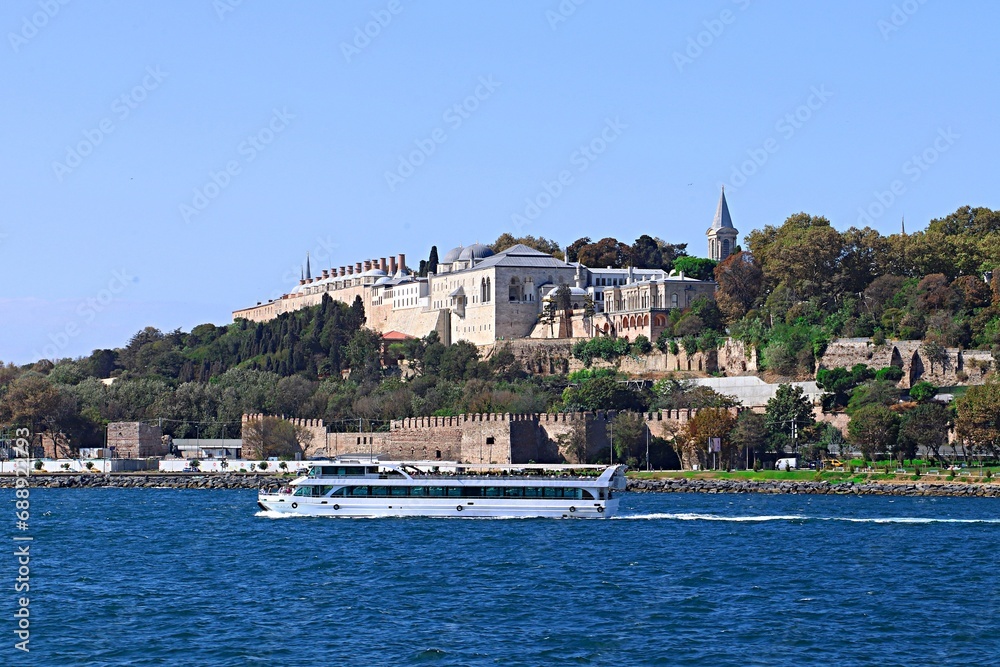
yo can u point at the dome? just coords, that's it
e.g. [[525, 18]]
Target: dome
[[385, 280], [573, 292], [452, 255], [475, 251], [374, 272]]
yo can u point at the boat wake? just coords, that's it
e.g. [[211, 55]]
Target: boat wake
[[272, 514], [690, 516]]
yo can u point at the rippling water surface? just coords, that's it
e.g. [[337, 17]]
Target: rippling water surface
[[163, 577]]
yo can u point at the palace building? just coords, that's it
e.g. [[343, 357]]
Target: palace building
[[482, 297]]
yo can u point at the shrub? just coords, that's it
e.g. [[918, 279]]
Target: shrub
[[89, 465], [641, 345], [283, 465], [262, 465], [663, 340], [690, 344], [38, 464], [889, 374], [923, 391], [195, 463]]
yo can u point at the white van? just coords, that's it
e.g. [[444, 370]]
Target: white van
[[786, 464]]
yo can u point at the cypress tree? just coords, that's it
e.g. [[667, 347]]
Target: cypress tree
[[432, 261]]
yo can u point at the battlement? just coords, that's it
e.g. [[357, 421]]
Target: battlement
[[295, 421]]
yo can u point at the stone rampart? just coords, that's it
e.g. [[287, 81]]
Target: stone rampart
[[943, 367]]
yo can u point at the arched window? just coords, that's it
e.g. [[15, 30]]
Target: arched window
[[673, 300], [725, 249], [489, 289]]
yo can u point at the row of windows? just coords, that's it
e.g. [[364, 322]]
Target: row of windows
[[445, 492]]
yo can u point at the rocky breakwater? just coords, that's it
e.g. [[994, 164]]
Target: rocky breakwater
[[696, 485], [140, 481]]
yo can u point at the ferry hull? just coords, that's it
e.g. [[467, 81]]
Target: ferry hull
[[445, 507]]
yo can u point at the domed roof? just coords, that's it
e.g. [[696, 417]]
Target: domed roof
[[475, 251], [374, 272], [452, 255], [385, 280], [573, 291]]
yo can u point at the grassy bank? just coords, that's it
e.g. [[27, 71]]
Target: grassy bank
[[969, 475]]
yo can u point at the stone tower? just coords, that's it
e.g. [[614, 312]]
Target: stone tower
[[721, 235]]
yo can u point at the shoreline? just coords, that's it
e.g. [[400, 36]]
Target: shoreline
[[659, 485], [810, 487]]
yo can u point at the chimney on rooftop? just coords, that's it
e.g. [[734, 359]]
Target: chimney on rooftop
[[382, 265], [392, 265], [357, 267], [402, 261], [326, 273], [368, 265]]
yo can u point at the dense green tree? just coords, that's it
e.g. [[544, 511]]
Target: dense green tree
[[646, 254], [739, 278], [840, 382], [573, 249], [540, 244], [750, 433], [606, 252], [698, 268], [924, 427], [788, 416], [432, 260], [603, 393], [977, 418], [874, 429]]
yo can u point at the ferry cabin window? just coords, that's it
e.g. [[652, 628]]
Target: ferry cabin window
[[456, 492]]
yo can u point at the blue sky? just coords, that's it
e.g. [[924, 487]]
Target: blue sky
[[166, 163]]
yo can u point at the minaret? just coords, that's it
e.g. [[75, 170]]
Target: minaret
[[721, 235], [308, 272]]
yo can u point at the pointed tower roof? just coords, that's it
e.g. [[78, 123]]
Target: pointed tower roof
[[722, 219], [308, 271]]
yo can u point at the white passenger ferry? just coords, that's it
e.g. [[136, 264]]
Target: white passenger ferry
[[363, 487]]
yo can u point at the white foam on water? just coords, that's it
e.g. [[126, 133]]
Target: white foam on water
[[908, 519], [272, 514], [691, 516]]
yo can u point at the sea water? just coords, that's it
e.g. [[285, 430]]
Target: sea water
[[188, 577]]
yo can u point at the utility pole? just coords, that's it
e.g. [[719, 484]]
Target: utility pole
[[647, 449]]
